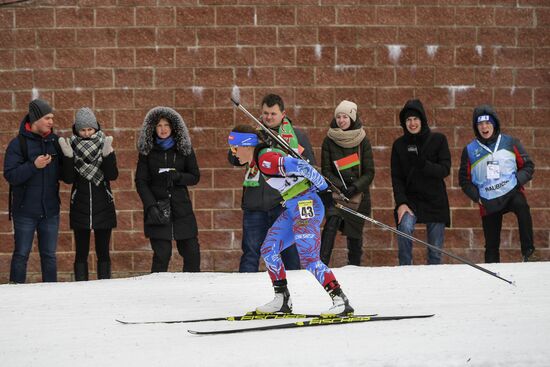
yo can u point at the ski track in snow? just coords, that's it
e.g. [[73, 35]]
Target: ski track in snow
[[480, 320]]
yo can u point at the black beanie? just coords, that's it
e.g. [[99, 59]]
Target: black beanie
[[38, 109]]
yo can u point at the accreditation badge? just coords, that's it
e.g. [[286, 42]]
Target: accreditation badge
[[493, 170], [305, 207]]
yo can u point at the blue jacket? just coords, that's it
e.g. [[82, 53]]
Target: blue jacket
[[35, 192]]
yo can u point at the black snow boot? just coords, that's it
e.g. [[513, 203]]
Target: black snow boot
[[80, 272], [104, 270]]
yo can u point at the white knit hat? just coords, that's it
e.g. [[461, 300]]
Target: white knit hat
[[347, 107]]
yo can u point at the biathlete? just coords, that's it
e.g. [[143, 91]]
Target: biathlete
[[300, 222]]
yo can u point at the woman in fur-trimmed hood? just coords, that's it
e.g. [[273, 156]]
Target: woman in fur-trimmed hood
[[166, 167]]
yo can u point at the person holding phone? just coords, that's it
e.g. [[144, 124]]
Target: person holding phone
[[33, 171]]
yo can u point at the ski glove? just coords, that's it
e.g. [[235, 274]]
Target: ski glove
[[107, 146], [66, 147], [302, 168]]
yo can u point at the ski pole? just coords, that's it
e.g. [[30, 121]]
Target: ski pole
[[402, 234], [284, 144]]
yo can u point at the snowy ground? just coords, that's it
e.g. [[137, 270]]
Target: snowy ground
[[480, 320]]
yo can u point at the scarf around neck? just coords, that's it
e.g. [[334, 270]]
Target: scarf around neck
[[165, 143], [346, 138], [88, 157]]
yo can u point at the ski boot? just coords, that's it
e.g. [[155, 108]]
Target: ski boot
[[281, 303], [340, 303]]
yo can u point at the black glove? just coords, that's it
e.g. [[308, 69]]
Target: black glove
[[153, 214], [172, 175], [350, 191]]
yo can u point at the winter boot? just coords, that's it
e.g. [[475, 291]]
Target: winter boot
[[531, 255], [80, 271], [340, 303], [281, 303], [104, 270]]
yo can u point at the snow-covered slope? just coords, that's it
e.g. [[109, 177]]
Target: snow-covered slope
[[480, 320]]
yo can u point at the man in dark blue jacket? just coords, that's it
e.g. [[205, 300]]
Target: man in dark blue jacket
[[31, 166]]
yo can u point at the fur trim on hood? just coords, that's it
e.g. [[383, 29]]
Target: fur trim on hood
[[180, 133], [485, 109]]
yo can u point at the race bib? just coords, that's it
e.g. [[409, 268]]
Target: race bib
[[493, 170], [305, 207]]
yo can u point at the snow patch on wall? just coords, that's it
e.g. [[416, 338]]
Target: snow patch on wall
[[394, 52], [343, 67], [479, 50], [197, 91], [318, 51], [454, 89], [34, 94], [236, 93], [432, 50]]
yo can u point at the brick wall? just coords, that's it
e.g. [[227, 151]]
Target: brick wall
[[122, 57]]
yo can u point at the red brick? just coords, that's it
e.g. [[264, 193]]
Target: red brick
[[27, 17], [336, 76], [7, 19], [293, 76], [213, 199], [139, 37], [297, 35], [515, 57], [395, 15], [74, 17], [275, 56], [129, 241], [173, 77], [454, 76], [155, 16], [212, 158], [519, 97], [470, 56], [364, 97], [197, 16], [116, 17], [515, 17], [188, 97], [53, 79], [320, 97], [496, 36], [7, 59], [254, 76], [213, 118], [235, 15], [450, 37], [338, 35], [96, 37], [531, 117], [234, 56], [220, 36], [473, 16], [163, 57], [542, 97], [94, 78], [56, 38], [73, 99], [34, 59], [532, 37], [494, 77], [406, 57], [6, 101], [149, 98], [414, 76], [319, 56], [133, 78], [114, 98], [227, 219], [285, 15], [214, 77], [355, 55], [376, 76], [418, 36], [195, 56], [321, 15], [74, 58], [114, 57], [257, 36], [472, 97], [176, 37], [13, 38], [393, 96], [355, 15], [542, 57], [439, 15]]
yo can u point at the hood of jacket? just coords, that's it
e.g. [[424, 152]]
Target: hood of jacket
[[146, 139], [485, 109], [415, 105]]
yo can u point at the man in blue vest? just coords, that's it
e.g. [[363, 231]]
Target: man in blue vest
[[494, 168], [32, 168]]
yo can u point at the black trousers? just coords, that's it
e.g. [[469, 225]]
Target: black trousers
[[82, 244], [355, 245], [492, 225], [187, 248]]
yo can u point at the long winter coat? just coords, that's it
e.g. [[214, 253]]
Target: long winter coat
[[35, 192], [153, 186], [422, 187], [92, 207], [352, 225]]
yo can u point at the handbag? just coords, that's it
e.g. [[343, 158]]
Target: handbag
[[162, 216], [356, 199]]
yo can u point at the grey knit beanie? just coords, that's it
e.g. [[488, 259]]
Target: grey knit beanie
[[85, 118], [38, 108]]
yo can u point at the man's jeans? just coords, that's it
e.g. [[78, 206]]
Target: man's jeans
[[436, 236], [256, 223], [24, 228]]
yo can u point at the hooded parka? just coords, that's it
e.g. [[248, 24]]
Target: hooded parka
[[152, 185], [418, 178]]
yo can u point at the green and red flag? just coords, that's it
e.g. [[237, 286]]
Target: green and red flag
[[347, 162]]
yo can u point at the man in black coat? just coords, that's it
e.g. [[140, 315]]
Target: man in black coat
[[420, 161]]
